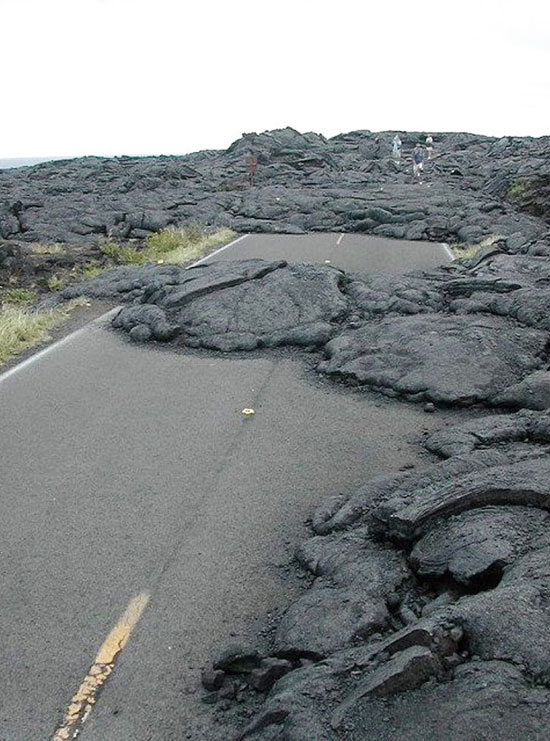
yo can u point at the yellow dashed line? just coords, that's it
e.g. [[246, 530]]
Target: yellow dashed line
[[84, 700]]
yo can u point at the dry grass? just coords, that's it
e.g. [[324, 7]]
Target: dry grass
[[17, 296], [170, 245], [465, 251], [21, 329], [89, 271], [170, 239], [189, 251], [55, 283], [468, 251], [48, 249], [122, 254]]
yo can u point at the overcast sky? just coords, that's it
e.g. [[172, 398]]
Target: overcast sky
[[114, 77]]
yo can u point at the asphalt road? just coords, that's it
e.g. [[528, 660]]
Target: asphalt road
[[351, 252], [129, 471]]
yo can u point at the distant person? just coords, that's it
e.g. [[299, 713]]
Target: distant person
[[396, 149], [370, 149], [429, 145], [252, 167], [418, 161]]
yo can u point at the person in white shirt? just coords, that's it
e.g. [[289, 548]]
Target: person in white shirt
[[396, 148], [429, 145]]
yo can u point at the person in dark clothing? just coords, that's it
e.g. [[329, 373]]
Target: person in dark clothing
[[418, 160]]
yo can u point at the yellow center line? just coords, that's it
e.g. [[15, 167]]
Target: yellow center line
[[340, 238], [83, 701]]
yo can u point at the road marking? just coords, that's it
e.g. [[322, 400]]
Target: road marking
[[84, 700], [221, 249], [40, 354], [447, 250], [340, 238], [53, 346]]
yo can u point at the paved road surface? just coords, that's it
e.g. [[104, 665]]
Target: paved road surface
[[129, 471], [351, 252]]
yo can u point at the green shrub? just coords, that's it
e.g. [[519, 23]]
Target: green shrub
[[55, 284], [164, 241], [172, 238], [517, 189], [88, 271], [17, 296]]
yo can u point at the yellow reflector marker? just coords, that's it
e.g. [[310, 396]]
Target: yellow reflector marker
[[84, 700], [248, 412]]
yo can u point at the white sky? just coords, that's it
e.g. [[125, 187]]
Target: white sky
[[116, 77]]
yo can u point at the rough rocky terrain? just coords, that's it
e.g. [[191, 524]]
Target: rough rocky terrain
[[430, 588], [428, 614], [473, 187], [460, 335]]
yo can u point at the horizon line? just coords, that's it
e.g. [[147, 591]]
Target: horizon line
[[46, 158]]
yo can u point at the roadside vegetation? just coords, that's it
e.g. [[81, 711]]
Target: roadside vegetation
[[468, 251], [22, 328], [48, 249], [17, 296], [170, 245], [55, 283], [190, 245], [86, 272]]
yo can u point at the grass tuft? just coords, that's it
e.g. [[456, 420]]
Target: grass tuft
[[87, 271], [123, 254], [191, 249], [171, 245], [55, 284], [48, 249], [468, 251], [517, 189], [168, 240], [465, 252], [17, 296], [21, 329], [90, 271], [171, 239]]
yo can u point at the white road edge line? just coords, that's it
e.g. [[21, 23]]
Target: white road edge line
[[447, 250], [69, 338], [40, 354], [221, 249]]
